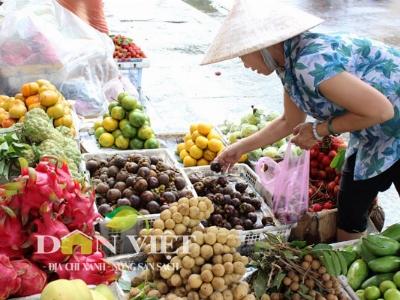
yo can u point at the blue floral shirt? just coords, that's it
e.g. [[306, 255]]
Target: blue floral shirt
[[311, 58]]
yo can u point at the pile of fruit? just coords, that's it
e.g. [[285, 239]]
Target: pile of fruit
[[285, 271], [376, 272], [200, 146], [235, 204], [250, 124], [40, 94], [45, 201], [125, 126], [145, 183], [125, 48], [326, 158], [207, 266]]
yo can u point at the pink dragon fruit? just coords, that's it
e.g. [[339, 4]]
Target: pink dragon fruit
[[92, 269], [12, 236], [32, 278], [9, 280], [52, 227]]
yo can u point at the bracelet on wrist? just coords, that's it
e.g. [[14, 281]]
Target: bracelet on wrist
[[331, 131], [315, 132]]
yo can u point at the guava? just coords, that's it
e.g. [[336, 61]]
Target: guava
[[151, 143]]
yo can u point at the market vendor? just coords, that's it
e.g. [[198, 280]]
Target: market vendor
[[348, 84]]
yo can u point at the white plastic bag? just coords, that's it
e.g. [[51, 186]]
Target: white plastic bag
[[42, 40]]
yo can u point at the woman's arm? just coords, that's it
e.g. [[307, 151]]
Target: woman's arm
[[277, 129], [365, 105]]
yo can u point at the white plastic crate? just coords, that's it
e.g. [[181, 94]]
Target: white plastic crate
[[243, 171], [133, 69]]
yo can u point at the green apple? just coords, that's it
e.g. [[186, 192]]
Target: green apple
[[372, 293], [386, 285]]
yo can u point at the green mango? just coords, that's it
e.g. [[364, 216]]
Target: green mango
[[376, 280], [385, 264], [357, 273], [392, 232], [380, 245]]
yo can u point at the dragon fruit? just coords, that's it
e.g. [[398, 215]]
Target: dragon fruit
[[92, 269], [32, 278], [52, 227], [9, 280], [11, 234]]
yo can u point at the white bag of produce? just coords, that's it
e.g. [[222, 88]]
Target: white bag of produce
[[42, 40]]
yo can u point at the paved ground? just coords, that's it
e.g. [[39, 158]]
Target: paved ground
[[175, 34]]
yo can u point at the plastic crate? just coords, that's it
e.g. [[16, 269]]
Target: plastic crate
[[121, 240], [133, 69], [243, 171]]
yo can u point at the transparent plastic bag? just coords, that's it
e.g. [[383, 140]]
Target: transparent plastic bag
[[290, 196], [42, 40], [267, 170]]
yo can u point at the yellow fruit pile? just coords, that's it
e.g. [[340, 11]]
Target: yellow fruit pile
[[200, 146], [38, 94]]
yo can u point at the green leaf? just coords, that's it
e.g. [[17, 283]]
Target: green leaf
[[2, 166], [6, 171], [322, 247], [278, 280], [260, 284], [4, 146], [298, 244]]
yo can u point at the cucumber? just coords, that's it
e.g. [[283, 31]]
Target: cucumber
[[377, 280], [380, 245], [357, 273], [385, 264], [393, 232]]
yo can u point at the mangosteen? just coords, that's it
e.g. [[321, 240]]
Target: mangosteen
[[163, 179], [228, 190], [130, 181], [92, 165], [103, 162], [208, 182], [176, 194], [152, 182], [154, 160], [267, 221], [140, 185], [222, 181], [152, 173], [123, 202], [229, 209], [119, 161], [153, 207], [143, 172], [236, 202], [235, 221], [135, 201], [113, 195], [199, 188], [120, 186], [111, 182], [185, 193], [122, 175], [103, 177], [216, 189], [147, 196], [227, 200], [162, 166], [104, 170], [241, 187], [217, 219], [219, 199], [131, 167], [238, 227], [102, 188], [216, 167], [248, 224], [164, 207], [154, 168], [127, 193], [245, 208], [204, 223], [252, 216], [236, 195], [135, 157], [252, 195], [211, 197], [246, 199], [169, 197], [104, 209], [144, 212], [180, 183], [256, 203], [194, 178], [112, 171], [227, 225], [219, 209]]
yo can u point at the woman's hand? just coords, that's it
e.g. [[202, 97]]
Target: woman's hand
[[303, 136], [230, 155]]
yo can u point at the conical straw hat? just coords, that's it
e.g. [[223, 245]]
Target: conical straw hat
[[256, 24]]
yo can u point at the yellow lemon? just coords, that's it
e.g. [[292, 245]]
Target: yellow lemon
[[180, 147], [188, 145], [58, 122], [189, 161], [122, 123], [67, 120], [106, 140], [183, 154], [215, 145], [17, 111], [209, 155], [193, 128], [213, 135], [110, 124], [56, 111], [122, 142], [202, 162], [187, 137], [204, 128], [48, 98], [195, 135], [97, 124], [201, 142], [196, 152]]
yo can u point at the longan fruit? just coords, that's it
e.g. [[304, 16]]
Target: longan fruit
[[265, 297], [214, 229], [239, 268], [185, 273], [202, 206], [326, 277], [159, 224], [169, 224], [310, 283], [165, 215], [176, 262], [162, 287], [206, 267], [194, 250], [320, 297], [294, 286], [328, 284], [176, 280], [195, 281], [227, 249], [305, 265], [210, 238], [196, 270], [193, 223], [308, 258], [275, 296], [186, 221], [199, 261], [331, 297], [173, 209], [218, 248], [184, 210], [218, 270], [315, 265], [245, 260], [228, 279], [287, 281], [193, 201], [217, 259], [312, 293], [222, 237], [197, 237], [206, 276], [296, 278], [228, 266], [187, 262], [216, 296], [193, 296], [177, 217], [156, 232], [227, 294], [218, 283], [180, 229], [296, 297], [206, 251], [291, 274], [206, 290], [232, 241], [227, 257], [249, 297]]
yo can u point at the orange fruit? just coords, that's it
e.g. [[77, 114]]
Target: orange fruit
[[193, 128], [32, 100], [55, 111], [189, 161], [188, 145], [183, 154], [202, 162], [30, 89], [196, 152], [188, 136], [48, 98], [17, 111], [213, 135], [215, 145], [110, 124], [20, 97], [209, 155], [204, 128], [106, 140], [7, 123], [180, 147], [201, 142]]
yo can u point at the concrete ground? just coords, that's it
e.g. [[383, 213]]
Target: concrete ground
[[175, 34]]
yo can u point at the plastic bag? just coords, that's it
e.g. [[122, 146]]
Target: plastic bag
[[42, 40], [290, 196], [116, 86], [267, 170]]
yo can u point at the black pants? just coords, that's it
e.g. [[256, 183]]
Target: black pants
[[356, 197]]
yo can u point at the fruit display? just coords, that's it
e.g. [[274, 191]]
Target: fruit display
[[375, 274], [236, 204], [39, 94], [45, 201], [125, 126], [125, 48], [145, 183], [75, 289], [200, 146], [286, 271], [250, 124], [326, 158], [207, 266]]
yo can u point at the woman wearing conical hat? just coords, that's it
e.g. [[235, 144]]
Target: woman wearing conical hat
[[347, 84]]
